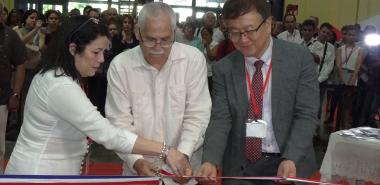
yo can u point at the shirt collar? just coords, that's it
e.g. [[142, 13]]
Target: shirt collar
[[266, 57]]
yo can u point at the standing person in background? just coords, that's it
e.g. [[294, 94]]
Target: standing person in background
[[158, 90], [52, 24], [324, 57], [349, 59], [12, 19], [209, 50], [12, 53], [285, 97], [291, 34], [86, 10], [34, 39], [126, 39], [59, 116]]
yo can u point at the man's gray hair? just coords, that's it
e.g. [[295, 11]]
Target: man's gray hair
[[152, 10]]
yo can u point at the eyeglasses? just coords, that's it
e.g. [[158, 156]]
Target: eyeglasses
[[235, 35], [151, 42], [92, 19]]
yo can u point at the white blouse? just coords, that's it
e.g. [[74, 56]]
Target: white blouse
[[57, 118]]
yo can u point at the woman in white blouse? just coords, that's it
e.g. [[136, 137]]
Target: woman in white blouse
[[59, 117]]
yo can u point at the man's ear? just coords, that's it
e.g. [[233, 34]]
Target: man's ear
[[72, 48]]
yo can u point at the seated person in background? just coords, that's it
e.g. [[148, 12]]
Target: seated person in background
[[58, 115]]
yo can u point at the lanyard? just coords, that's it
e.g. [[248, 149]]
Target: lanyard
[[349, 55], [251, 92]]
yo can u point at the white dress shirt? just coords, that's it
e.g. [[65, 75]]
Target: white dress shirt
[[57, 118], [269, 143], [294, 37], [172, 104], [318, 48]]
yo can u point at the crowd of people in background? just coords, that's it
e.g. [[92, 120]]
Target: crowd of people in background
[[348, 69]]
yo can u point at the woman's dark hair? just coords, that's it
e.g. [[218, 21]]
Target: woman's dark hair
[[235, 8], [209, 30], [49, 12], [80, 30], [130, 19], [27, 14]]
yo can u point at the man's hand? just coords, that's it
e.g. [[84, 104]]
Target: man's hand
[[13, 103], [144, 167], [207, 172], [286, 169], [180, 165]]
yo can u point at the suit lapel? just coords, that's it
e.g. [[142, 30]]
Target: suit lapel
[[239, 82]]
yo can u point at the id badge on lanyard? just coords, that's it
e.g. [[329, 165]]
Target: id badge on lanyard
[[256, 128]]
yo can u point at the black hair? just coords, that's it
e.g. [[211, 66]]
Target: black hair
[[235, 8], [326, 25], [27, 14], [308, 22], [86, 9], [80, 30], [209, 30], [49, 12]]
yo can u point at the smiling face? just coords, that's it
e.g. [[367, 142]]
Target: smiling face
[[250, 44], [88, 61]]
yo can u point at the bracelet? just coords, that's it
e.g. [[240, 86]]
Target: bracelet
[[164, 152]]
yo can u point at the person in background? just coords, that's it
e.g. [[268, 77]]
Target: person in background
[[113, 27], [324, 57], [111, 13], [209, 21], [74, 12], [288, 103], [349, 59], [158, 90], [126, 39], [187, 36], [52, 24], [94, 12], [34, 39], [12, 19], [291, 34], [226, 46], [308, 30], [58, 115], [86, 10], [367, 99], [209, 50], [12, 53]]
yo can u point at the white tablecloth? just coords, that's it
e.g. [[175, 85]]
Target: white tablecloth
[[351, 158]]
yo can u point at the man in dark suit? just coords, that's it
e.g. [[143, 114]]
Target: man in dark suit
[[286, 97]]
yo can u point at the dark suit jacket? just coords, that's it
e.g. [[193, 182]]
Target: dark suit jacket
[[295, 104]]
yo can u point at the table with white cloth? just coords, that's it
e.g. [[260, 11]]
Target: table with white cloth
[[353, 156]]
